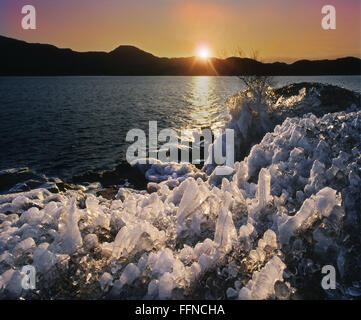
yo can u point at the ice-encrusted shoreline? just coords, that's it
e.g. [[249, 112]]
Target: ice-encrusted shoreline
[[290, 207]]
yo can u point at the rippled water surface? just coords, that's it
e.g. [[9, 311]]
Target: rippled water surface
[[64, 126]]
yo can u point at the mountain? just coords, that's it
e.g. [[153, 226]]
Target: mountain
[[22, 58]]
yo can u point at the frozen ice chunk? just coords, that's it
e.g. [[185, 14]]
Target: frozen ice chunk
[[296, 155], [153, 288], [195, 271], [21, 202], [6, 260], [354, 179], [44, 260], [11, 281], [192, 198], [312, 209], [295, 136], [130, 273], [179, 272], [206, 261], [269, 239], [265, 245], [245, 231], [264, 188], [220, 173], [140, 236], [70, 240], [256, 160], [166, 286], [301, 221], [325, 200], [299, 196], [241, 173], [205, 247], [225, 233], [196, 223], [164, 262], [231, 293], [90, 241], [52, 213], [105, 281], [95, 215], [186, 254], [142, 262], [123, 193], [24, 246], [317, 177], [261, 286], [31, 214]]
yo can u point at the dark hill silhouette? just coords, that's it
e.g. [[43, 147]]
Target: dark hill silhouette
[[22, 58]]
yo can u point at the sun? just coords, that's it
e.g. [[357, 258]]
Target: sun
[[203, 52]]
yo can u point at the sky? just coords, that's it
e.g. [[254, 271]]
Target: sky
[[283, 30]]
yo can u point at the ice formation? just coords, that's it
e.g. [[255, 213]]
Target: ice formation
[[263, 232]]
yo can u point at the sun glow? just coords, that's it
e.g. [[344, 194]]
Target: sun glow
[[203, 52]]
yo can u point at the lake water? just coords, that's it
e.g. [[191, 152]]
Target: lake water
[[62, 126]]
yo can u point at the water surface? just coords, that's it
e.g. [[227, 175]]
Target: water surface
[[62, 126]]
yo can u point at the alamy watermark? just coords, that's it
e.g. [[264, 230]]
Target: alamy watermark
[[329, 280], [28, 22], [328, 22], [29, 279], [221, 152]]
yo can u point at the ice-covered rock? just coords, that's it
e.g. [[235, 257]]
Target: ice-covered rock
[[166, 286], [193, 196], [312, 209], [44, 260], [261, 286], [225, 233], [140, 236], [23, 246], [164, 262], [95, 215], [264, 188], [70, 239], [90, 241], [10, 283], [130, 273], [105, 281]]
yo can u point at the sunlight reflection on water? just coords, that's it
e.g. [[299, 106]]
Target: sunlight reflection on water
[[204, 108]]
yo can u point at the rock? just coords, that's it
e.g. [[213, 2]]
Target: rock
[[152, 187], [20, 179], [282, 292], [90, 241], [109, 193]]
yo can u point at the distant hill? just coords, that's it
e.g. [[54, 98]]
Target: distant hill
[[22, 58]]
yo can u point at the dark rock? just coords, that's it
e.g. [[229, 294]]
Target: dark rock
[[152, 187], [332, 98], [281, 290], [23, 177], [109, 193], [122, 173], [63, 186]]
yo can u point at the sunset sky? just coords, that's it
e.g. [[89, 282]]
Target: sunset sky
[[284, 30]]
